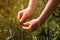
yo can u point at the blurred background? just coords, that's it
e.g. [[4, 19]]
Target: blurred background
[[11, 30]]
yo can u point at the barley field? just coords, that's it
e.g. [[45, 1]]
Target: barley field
[[11, 30]]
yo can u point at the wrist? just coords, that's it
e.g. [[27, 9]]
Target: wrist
[[39, 21], [30, 8]]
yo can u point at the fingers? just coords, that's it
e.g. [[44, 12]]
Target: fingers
[[30, 27], [26, 26], [23, 18], [20, 13]]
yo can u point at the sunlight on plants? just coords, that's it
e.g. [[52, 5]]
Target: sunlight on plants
[[11, 30]]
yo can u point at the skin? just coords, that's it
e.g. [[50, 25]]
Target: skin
[[32, 25], [28, 12]]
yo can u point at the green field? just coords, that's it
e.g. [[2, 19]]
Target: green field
[[11, 30]]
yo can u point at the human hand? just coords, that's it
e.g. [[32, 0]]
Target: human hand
[[24, 14], [31, 25]]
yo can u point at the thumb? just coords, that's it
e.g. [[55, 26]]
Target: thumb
[[26, 24], [20, 13]]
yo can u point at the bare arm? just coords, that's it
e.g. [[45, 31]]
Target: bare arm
[[50, 7], [23, 15], [32, 4]]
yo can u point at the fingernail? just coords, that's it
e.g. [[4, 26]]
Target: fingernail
[[20, 20]]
